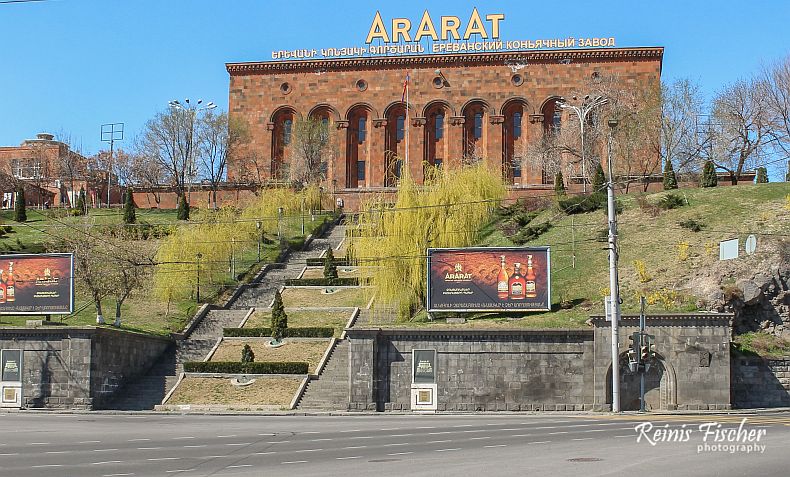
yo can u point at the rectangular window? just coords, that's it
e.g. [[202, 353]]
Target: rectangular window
[[516, 167], [360, 170], [557, 121], [439, 127], [516, 125], [398, 165], [361, 130], [478, 132], [437, 162], [399, 123], [287, 131]]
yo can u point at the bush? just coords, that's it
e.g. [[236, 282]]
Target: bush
[[709, 178], [670, 180], [20, 214], [322, 282], [762, 175], [330, 268], [129, 215], [265, 331], [279, 318], [692, 225], [182, 212], [232, 367], [296, 243], [82, 203], [648, 208], [599, 179], [524, 218], [559, 184], [671, 201], [581, 204], [530, 233], [247, 355]]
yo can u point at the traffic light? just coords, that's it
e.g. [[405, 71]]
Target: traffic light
[[644, 353], [650, 341], [636, 342]]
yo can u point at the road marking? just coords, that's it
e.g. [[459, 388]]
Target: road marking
[[448, 450], [322, 439], [478, 438], [277, 442], [107, 462], [354, 447], [179, 470], [498, 445], [39, 444], [308, 450], [401, 435], [216, 456], [115, 475], [440, 432], [464, 425], [57, 452], [390, 429], [45, 465], [181, 438], [194, 447], [13, 453], [619, 437], [164, 458], [265, 434], [294, 462], [522, 435], [582, 439], [426, 427], [558, 432], [237, 466], [311, 432], [240, 444], [264, 453], [104, 450], [353, 430], [401, 453], [231, 435], [88, 442], [346, 458], [148, 448], [438, 442], [362, 437], [398, 444], [138, 440], [539, 442], [511, 429]]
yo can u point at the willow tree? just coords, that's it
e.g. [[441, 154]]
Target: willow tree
[[391, 239]]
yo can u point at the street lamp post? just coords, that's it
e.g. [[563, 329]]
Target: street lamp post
[[192, 110], [198, 256], [588, 104], [614, 287], [260, 238]]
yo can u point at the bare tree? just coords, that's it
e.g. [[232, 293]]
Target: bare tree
[[312, 150], [217, 137], [776, 92], [742, 127], [679, 141], [167, 139]]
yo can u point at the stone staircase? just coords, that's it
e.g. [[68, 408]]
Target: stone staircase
[[329, 391]]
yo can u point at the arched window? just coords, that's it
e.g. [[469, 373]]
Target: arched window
[[512, 140], [552, 117], [394, 144], [281, 140], [361, 129], [478, 125], [356, 147], [438, 126], [517, 125], [473, 135], [287, 128], [434, 142], [399, 128]]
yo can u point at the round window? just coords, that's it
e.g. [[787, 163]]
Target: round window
[[285, 88], [438, 82], [517, 79], [362, 85]]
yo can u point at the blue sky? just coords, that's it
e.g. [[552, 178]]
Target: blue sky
[[71, 65]]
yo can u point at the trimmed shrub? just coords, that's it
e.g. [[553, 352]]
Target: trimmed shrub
[[322, 282], [670, 180], [279, 318], [82, 203], [183, 208], [247, 355], [20, 213], [709, 178], [599, 179], [671, 201], [319, 262], [264, 332], [762, 175], [330, 268], [530, 233], [559, 184], [232, 367], [129, 215], [581, 204]]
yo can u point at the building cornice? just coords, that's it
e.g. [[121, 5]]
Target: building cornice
[[466, 59]]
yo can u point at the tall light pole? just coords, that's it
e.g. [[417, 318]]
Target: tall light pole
[[110, 132], [192, 111], [588, 104], [614, 287]]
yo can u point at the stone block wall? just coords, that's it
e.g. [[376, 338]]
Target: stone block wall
[[758, 382], [78, 367]]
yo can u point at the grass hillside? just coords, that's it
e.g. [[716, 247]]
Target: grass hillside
[[661, 255]]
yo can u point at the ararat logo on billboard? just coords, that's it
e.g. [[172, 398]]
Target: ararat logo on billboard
[[512, 279]]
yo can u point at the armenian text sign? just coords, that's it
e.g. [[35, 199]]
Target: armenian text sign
[[40, 284], [512, 279]]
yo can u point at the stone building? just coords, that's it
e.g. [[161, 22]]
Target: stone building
[[486, 105]]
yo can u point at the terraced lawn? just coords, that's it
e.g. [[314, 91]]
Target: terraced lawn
[[337, 319], [309, 351], [268, 391]]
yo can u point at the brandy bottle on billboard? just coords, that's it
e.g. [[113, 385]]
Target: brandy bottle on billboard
[[10, 288], [530, 290], [516, 284], [2, 288], [501, 281]]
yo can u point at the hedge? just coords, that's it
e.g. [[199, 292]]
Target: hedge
[[304, 332], [322, 282], [233, 367], [319, 262]]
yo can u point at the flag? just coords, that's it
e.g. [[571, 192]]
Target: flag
[[405, 88]]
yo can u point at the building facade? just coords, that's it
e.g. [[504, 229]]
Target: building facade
[[484, 105]]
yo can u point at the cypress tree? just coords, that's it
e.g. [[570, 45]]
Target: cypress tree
[[330, 269], [183, 208], [599, 179], [762, 175], [20, 214], [670, 180], [709, 178], [559, 184], [247, 355], [129, 215], [81, 203], [279, 318]]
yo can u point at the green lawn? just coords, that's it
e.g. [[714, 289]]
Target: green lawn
[[337, 319], [317, 297]]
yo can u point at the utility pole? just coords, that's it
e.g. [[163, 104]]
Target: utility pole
[[198, 256], [111, 132], [614, 292], [260, 238], [641, 371]]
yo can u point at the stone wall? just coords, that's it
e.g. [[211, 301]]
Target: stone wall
[[758, 382], [78, 367], [476, 370]]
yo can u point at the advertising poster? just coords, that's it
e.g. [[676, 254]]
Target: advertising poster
[[37, 284], [512, 279]]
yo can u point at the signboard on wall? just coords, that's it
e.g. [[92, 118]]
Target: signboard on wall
[[489, 279], [37, 284]]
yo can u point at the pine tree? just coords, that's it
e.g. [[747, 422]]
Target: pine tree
[[709, 178], [599, 179], [762, 175], [183, 208], [330, 268], [670, 180], [20, 214], [247, 355], [129, 215], [559, 184], [81, 202], [279, 318]]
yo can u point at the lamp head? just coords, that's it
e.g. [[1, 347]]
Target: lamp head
[[612, 123]]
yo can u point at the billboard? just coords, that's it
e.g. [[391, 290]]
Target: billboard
[[483, 279], [37, 284]]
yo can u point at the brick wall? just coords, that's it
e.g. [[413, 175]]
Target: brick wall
[[758, 382]]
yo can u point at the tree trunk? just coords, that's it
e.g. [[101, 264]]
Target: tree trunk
[[99, 315], [118, 304]]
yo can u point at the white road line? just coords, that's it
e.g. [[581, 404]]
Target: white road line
[[354, 447], [277, 442], [511, 429], [148, 448], [308, 450], [390, 429], [240, 444], [440, 432], [45, 465], [138, 440], [182, 438], [539, 442], [104, 450], [498, 445], [522, 435], [194, 447], [237, 466], [346, 458], [215, 456], [398, 444], [353, 430], [294, 462], [448, 450], [438, 442], [426, 427], [363, 437], [476, 430], [57, 452], [401, 453], [12, 453], [39, 444], [401, 435], [464, 425], [311, 432], [263, 453], [88, 442], [265, 434], [582, 439], [558, 432], [163, 458], [619, 437], [231, 435], [478, 438], [115, 475], [107, 462], [316, 440], [178, 470]]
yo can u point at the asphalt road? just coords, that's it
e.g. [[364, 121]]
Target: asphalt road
[[38, 444]]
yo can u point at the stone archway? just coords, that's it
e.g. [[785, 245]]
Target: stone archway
[[660, 385]]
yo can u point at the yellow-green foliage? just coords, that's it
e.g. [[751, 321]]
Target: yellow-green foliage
[[448, 211], [683, 251], [641, 270], [265, 208], [787, 202], [669, 299]]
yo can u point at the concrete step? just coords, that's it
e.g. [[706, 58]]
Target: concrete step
[[330, 389]]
